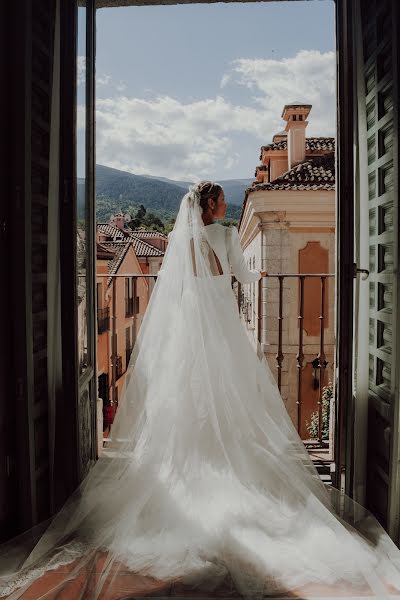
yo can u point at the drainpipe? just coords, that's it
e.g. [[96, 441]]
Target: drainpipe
[[262, 292], [113, 343]]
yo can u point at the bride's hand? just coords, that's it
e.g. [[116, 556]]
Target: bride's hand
[[263, 273]]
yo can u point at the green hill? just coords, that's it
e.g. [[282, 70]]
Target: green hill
[[121, 191]]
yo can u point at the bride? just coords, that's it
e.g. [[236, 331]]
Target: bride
[[207, 480]]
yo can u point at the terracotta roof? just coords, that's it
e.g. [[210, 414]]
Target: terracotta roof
[[118, 234], [147, 233], [140, 247], [317, 173], [103, 253], [112, 231], [282, 133], [143, 248], [312, 144], [259, 168], [119, 249]]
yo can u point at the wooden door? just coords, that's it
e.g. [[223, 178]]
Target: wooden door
[[377, 249], [25, 491], [78, 283], [343, 431], [48, 435]]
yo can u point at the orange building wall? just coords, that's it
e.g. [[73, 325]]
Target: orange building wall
[[103, 357], [130, 265], [144, 265]]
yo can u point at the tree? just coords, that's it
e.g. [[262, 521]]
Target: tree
[[137, 219]]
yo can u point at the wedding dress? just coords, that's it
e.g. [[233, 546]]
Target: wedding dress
[[208, 478]]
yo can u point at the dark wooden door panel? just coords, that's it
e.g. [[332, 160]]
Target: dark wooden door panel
[[380, 70]]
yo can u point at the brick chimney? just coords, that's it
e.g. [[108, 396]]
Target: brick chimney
[[295, 115], [118, 220]]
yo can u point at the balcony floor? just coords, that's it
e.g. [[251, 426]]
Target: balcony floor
[[129, 586]]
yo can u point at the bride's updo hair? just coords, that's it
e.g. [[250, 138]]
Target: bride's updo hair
[[208, 189]]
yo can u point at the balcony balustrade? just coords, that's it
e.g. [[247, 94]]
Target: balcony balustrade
[[249, 306], [255, 311]]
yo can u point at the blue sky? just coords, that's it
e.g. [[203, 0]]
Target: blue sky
[[193, 91]]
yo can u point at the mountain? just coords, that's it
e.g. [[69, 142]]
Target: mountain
[[234, 188], [118, 190]]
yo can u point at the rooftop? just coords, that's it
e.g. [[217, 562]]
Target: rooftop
[[119, 249], [120, 245], [314, 173], [147, 233], [312, 144]]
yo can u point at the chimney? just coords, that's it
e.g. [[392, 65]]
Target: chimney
[[118, 220], [279, 137], [295, 115]]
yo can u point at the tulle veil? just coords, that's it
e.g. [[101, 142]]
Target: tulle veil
[[207, 478]]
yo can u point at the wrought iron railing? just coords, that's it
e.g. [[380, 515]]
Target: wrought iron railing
[[319, 364]]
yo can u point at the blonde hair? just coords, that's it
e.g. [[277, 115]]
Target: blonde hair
[[208, 189]]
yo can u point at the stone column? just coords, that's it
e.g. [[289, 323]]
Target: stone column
[[275, 259]]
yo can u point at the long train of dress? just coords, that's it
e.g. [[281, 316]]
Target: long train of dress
[[209, 481]]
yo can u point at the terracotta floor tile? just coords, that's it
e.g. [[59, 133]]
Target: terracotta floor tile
[[225, 590], [122, 585], [119, 584]]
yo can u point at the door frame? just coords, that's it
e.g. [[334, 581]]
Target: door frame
[[74, 471], [344, 421], [344, 309]]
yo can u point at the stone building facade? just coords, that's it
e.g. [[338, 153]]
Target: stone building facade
[[287, 226]]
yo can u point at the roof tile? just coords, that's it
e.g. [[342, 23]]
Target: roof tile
[[312, 144], [141, 247], [315, 173]]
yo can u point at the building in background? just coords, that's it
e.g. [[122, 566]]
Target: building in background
[[287, 225], [149, 246], [121, 254]]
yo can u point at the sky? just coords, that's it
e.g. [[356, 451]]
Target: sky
[[191, 92]]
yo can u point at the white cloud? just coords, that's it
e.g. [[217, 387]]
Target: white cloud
[[197, 139], [225, 80], [167, 137], [103, 80], [307, 77], [81, 69]]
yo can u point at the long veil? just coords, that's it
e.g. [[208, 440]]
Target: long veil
[[206, 479]]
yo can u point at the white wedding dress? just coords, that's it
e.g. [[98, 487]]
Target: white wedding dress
[[209, 478]]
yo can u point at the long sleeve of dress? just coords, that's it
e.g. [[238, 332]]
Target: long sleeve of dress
[[237, 260]]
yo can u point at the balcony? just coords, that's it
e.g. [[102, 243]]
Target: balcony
[[118, 367], [291, 318], [103, 319], [300, 358]]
